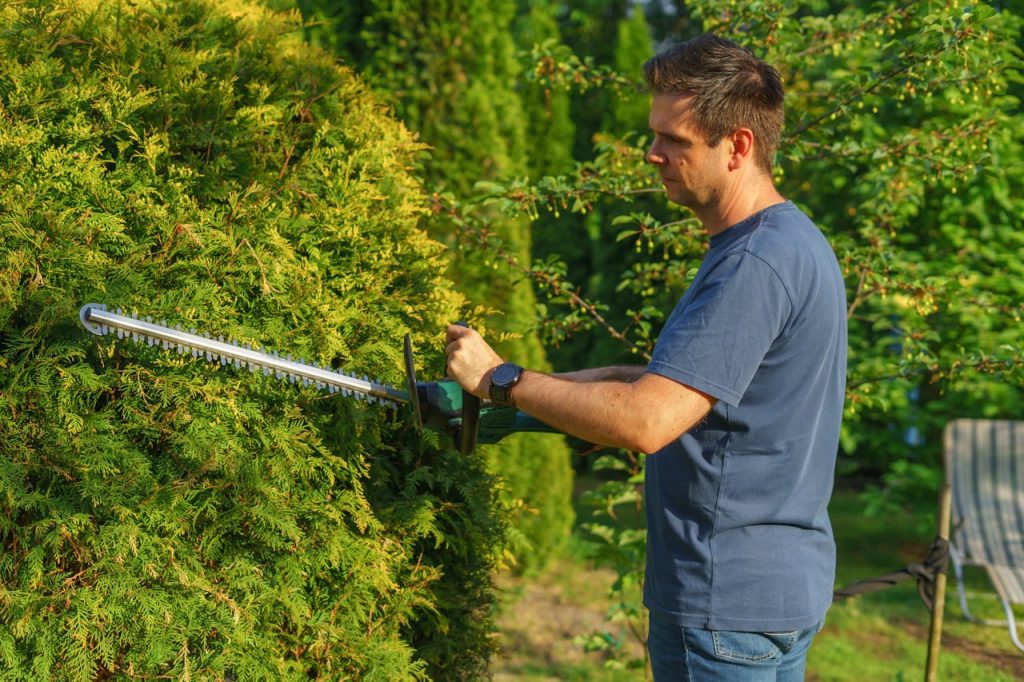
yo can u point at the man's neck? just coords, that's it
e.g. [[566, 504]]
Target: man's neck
[[736, 206]]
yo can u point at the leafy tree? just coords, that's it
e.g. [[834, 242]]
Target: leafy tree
[[197, 162], [550, 129], [608, 118]]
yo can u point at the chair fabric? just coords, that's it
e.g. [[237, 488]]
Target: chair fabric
[[985, 467]]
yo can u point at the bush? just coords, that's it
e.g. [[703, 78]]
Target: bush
[[197, 162], [450, 68]]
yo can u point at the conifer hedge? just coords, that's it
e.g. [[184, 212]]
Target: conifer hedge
[[450, 66], [195, 161]]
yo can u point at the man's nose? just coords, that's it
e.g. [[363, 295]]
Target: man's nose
[[654, 156]]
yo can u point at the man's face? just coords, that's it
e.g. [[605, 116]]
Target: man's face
[[693, 173]]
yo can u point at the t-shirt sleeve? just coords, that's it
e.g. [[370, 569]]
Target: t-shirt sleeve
[[721, 334]]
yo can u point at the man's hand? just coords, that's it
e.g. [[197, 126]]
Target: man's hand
[[470, 360]]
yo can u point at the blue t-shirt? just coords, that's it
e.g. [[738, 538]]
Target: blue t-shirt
[[738, 531]]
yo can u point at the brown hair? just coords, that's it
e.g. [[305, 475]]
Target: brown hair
[[731, 89]]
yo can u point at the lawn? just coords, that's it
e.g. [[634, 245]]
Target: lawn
[[882, 636]]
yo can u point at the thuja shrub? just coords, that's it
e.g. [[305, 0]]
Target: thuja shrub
[[161, 517], [451, 69]]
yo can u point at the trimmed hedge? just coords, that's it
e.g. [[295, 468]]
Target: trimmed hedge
[[195, 161], [451, 68]]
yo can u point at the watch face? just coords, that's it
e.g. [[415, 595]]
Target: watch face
[[504, 374]]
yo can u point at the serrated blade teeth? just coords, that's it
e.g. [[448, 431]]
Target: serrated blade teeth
[[249, 355]]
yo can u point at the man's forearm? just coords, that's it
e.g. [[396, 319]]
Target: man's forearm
[[638, 415], [613, 373], [591, 409]]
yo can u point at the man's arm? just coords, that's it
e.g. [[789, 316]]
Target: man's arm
[[645, 414], [613, 373]]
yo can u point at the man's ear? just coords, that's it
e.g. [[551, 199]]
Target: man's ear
[[741, 149]]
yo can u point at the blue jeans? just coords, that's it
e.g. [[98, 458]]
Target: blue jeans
[[681, 654]]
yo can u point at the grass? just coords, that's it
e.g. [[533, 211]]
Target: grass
[[881, 636]]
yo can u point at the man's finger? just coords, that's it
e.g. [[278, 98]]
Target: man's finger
[[451, 348], [456, 331]]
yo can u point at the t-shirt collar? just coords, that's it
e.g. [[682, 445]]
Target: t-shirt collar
[[744, 227]]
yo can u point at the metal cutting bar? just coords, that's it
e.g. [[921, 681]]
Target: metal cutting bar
[[97, 319]]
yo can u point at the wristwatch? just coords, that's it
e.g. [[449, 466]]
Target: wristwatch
[[503, 378]]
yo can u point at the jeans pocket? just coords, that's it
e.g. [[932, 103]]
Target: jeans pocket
[[751, 646], [784, 637]]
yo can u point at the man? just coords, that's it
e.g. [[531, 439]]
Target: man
[[741, 403]]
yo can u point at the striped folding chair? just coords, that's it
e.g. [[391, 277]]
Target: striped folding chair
[[985, 468]]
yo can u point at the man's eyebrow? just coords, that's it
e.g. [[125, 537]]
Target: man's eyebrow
[[669, 135]]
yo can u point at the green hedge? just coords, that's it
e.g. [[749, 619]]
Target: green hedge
[[161, 518], [452, 70]]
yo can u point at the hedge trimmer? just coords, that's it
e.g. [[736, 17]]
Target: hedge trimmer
[[440, 405]]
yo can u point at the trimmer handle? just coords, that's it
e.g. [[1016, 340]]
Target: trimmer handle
[[470, 417], [410, 384], [442, 404]]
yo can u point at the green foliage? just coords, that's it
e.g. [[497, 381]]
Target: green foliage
[[450, 68], [195, 161], [632, 48], [549, 126], [617, 539], [610, 105], [903, 143]]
